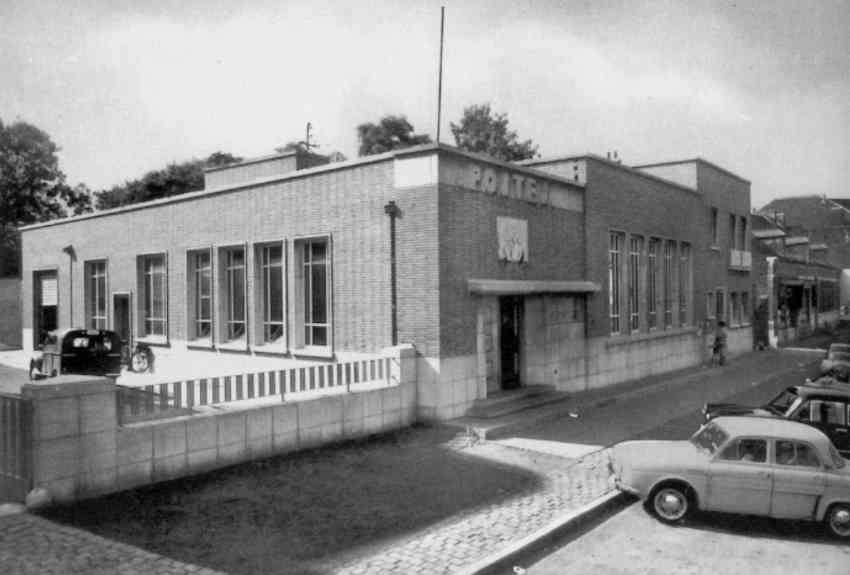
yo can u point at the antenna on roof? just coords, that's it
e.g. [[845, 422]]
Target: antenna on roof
[[306, 142], [440, 73]]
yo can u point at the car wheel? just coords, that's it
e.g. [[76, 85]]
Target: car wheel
[[139, 361], [838, 520], [671, 502]]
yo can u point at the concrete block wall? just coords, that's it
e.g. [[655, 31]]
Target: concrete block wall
[[79, 449], [612, 361], [10, 311]]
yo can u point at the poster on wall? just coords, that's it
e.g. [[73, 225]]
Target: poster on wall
[[513, 239]]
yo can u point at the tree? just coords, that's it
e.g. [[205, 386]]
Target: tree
[[172, 180], [483, 132], [32, 187], [391, 133]]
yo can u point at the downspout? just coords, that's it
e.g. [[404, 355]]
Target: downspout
[[72, 255], [393, 211], [772, 340]]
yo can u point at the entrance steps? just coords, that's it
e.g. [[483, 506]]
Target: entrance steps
[[514, 400]]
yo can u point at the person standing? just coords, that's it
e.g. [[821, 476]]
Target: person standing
[[719, 347]]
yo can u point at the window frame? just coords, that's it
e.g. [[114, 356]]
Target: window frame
[[616, 246], [684, 280], [652, 281], [667, 282], [194, 297], [298, 297], [227, 277], [94, 319], [633, 288], [262, 279], [145, 284]]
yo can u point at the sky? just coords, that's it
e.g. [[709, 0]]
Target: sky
[[123, 87]]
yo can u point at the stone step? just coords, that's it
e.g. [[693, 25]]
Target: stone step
[[508, 402]]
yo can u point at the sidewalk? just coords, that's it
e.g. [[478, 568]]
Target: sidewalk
[[574, 486]]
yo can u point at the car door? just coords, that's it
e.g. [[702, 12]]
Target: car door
[[798, 480], [740, 479]]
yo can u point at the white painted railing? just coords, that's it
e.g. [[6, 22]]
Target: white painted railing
[[300, 382]]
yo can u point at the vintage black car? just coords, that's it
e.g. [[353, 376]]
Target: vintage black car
[[822, 404], [81, 351]]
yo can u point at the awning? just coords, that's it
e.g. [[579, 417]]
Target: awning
[[527, 287]]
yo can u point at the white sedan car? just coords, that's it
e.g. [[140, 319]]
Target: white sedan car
[[750, 465]]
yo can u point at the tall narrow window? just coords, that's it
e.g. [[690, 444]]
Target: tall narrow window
[[272, 290], [615, 250], [734, 311], [154, 295], [710, 306], [200, 263], [745, 307], [635, 248], [315, 291], [720, 306], [668, 283], [684, 282], [652, 283], [715, 236], [234, 284], [742, 231], [733, 237], [95, 294]]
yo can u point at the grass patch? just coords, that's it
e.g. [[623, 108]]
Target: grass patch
[[301, 513]]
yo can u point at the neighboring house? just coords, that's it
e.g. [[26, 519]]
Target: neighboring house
[[797, 290], [571, 273]]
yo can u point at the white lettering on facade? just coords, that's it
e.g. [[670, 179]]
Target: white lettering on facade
[[507, 184]]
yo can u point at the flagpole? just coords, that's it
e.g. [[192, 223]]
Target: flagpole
[[440, 74]]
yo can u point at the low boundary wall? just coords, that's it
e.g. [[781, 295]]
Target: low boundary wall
[[80, 450]]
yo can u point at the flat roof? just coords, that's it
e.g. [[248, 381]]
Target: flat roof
[[611, 163], [415, 150], [696, 160]]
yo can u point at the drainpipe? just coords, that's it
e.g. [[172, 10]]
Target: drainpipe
[[393, 211], [772, 340], [72, 255]]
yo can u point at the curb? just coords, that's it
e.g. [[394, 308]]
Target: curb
[[556, 529]]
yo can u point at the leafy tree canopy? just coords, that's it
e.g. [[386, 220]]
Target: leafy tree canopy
[[390, 133], [483, 132], [172, 180], [32, 186]]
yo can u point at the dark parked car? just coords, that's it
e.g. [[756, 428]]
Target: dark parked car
[[837, 361], [82, 351], [822, 404]]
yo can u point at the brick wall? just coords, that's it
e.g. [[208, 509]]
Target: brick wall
[[347, 204], [10, 311]]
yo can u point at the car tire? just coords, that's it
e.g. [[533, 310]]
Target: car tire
[[671, 502], [838, 521]]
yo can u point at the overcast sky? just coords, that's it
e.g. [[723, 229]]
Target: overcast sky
[[760, 88]]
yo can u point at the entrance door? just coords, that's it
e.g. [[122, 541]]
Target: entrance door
[[510, 312], [45, 305], [121, 320]]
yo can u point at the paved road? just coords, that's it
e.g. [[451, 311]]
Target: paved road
[[672, 410], [634, 542]]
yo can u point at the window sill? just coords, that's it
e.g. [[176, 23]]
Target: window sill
[[235, 345], [324, 352], [271, 349], [200, 344], [155, 340], [618, 340]]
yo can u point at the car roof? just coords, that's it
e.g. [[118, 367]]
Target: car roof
[[737, 425], [829, 389], [839, 346]]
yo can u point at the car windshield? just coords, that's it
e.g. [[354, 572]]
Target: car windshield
[[710, 437], [837, 460], [782, 403]]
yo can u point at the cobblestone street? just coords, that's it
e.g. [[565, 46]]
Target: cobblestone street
[[30, 545], [444, 548]]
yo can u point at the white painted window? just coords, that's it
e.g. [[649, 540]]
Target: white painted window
[[95, 286]]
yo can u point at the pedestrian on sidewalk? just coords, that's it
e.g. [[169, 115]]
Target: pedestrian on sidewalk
[[718, 356]]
